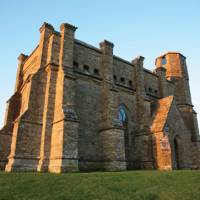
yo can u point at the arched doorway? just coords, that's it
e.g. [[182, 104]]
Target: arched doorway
[[175, 154], [123, 117]]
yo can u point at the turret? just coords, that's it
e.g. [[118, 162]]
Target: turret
[[176, 71]]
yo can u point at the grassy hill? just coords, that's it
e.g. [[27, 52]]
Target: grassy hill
[[133, 185]]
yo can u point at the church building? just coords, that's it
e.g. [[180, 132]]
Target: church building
[[77, 107]]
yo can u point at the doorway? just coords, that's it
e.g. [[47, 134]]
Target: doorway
[[175, 154]]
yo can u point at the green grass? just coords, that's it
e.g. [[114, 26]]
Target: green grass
[[133, 185]]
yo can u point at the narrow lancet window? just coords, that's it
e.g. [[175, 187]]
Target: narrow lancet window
[[122, 115]]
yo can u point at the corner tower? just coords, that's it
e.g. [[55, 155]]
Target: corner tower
[[176, 71]]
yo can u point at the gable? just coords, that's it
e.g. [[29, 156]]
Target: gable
[[168, 115], [161, 114]]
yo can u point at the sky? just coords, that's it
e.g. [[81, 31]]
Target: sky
[[145, 27]]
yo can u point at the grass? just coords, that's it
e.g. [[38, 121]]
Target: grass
[[131, 185]]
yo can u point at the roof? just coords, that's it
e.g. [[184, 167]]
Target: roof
[[170, 52], [161, 114]]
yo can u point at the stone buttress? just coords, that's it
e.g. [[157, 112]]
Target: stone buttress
[[27, 127], [69, 100], [111, 134], [143, 153], [64, 139]]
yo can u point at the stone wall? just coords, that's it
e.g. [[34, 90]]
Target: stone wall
[[64, 114]]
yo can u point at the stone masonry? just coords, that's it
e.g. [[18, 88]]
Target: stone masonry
[[80, 108]]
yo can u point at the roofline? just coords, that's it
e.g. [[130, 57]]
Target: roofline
[[170, 52]]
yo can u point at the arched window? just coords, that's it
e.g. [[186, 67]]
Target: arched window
[[122, 115], [124, 122], [164, 61], [86, 69]]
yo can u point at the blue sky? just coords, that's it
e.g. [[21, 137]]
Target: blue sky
[[146, 28]]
